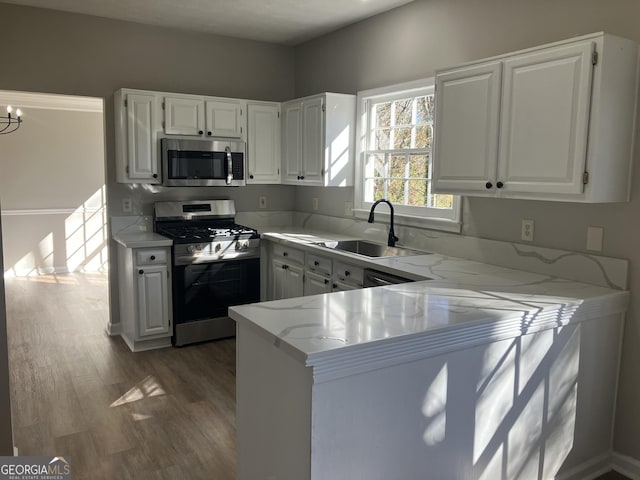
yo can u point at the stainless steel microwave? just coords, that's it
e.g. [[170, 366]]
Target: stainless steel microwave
[[202, 163]]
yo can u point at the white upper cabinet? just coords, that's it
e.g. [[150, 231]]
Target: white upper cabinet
[[137, 128], [318, 140], [183, 116], [551, 123], [292, 142], [467, 100], [203, 116], [263, 142], [543, 137], [224, 118]]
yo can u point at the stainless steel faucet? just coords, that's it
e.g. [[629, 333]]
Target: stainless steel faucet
[[392, 235]]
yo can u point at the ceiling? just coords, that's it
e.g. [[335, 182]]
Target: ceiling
[[286, 22]]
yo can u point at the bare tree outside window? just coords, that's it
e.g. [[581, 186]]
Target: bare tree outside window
[[398, 156]]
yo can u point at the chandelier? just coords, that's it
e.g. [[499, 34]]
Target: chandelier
[[10, 123]]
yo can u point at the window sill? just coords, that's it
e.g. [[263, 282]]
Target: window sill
[[431, 223]]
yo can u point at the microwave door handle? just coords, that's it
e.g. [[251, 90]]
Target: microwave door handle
[[229, 165]]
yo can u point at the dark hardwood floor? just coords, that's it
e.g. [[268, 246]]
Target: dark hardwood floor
[[77, 392]]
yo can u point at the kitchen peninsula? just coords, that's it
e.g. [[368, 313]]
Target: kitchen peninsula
[[480, 372]]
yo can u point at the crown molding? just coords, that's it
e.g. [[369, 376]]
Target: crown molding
[[50, 101]]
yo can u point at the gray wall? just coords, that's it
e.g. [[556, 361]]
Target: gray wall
[[410, 42], [55, 163]]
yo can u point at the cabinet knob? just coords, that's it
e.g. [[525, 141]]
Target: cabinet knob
[[251, 177], [499, 184], [200, 132], [285, 254], [316, 263], [347, 273], [140, 272], [155, 175], [335, 285], [488, 184], [152, 257], [301, 177], [209, 133], [326, 281]]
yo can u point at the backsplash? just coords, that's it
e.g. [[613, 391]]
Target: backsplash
[[593, 269]]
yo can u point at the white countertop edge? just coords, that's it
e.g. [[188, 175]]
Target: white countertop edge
[[359, 358], [142, 239]]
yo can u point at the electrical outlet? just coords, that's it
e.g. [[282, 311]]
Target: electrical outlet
[[594, 238], [348, 209], [315, 203], [527, 230], [127, 205], [263, 202]]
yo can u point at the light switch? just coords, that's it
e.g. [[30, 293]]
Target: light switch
[[594, 238]]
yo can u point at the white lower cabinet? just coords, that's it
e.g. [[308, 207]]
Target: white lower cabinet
[[153, 310], [145, 297], [316, 283], [287, 280]]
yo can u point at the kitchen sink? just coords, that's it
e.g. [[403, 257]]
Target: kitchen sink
[[369, 249]]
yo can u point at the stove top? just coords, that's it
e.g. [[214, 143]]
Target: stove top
[[185, 233]]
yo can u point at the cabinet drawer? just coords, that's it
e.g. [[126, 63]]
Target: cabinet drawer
[[151, 256], [348, 273], [290, 254], [318, 264]]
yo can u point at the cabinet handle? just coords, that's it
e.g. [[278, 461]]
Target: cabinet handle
[[316, 263], [499, 184], [200, 132], [347, 273], [141, 272], [152, 257], [488, 184], [285, 267], [155, 175]]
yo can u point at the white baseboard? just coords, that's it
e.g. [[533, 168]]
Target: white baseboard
[[15, 451], [34, 272], [627, 466], [114, 329], [588, 470]]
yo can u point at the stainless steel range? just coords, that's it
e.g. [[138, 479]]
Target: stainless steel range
[[216, 264]]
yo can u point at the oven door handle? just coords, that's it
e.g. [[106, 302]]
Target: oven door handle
[[229, 165]]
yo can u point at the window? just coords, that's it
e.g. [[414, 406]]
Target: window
[[394, 161]]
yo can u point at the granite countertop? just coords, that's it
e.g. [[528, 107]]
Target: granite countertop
[[464, 303], [142, 239]]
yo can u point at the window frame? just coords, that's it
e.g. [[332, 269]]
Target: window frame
[[425, 217]]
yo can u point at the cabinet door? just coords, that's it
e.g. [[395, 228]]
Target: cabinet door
[[315, 284], [153, 300], [292, 142], [465, 151], [263, 143], [183, 116], [224, 119], [286, 280], [545, 120], [339, 286], [313, 141], [142, 138], [294, 283]]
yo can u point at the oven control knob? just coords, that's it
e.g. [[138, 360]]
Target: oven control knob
[[193, 248], [241, 246], [218, 247]]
